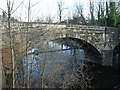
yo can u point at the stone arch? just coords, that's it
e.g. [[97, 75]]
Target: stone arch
[[116, 56], [89, 48]]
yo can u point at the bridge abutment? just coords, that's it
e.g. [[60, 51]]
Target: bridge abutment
[[107, 55]]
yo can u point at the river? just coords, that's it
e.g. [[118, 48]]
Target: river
[[52, 59], [53, 64]]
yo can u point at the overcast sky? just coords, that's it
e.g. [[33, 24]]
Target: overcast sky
[[44, 8]]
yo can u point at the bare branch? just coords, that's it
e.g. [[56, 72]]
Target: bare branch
[[18, 7], [34, 4], [12, 5], [3, 10]]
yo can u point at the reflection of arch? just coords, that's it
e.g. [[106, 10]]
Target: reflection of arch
[[116, 56], [89, 48]]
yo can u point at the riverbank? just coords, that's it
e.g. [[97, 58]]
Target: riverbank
[[104, 76]]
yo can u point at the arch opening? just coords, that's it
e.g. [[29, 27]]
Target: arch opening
[[91, 53]]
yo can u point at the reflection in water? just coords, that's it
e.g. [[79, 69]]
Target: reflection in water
[[53, 60]]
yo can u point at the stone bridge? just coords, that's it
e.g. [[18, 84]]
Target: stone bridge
[[103, 39]]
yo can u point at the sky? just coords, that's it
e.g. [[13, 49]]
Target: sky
[[44, 8]]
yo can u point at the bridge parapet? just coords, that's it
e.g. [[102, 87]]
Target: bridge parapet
[[85, 27]]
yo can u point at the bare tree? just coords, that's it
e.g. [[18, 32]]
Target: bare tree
[[79, 13], [101, 12], [49, 19], [79, 9], [92, 21], [10, 42], [118, 8], [60, 9]]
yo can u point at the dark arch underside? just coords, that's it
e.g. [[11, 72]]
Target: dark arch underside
[[90, 50]]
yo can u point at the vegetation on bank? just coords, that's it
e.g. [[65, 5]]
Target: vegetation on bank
[[108, 14]]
